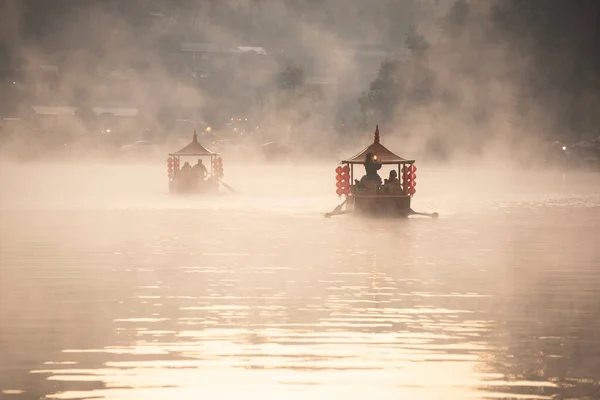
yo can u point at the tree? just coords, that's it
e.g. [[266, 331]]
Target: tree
[[456, 19], [399, 85], [415, 42], [291, 78], [562, 75], [377, 105]]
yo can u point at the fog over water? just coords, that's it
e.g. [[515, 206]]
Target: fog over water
[[111, 288]]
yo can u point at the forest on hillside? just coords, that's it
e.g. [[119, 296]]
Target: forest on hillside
[[456, 74]]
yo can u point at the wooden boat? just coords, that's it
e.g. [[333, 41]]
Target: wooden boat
[[369, 196], [188, 181]]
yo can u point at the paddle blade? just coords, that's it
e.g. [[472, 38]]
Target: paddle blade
[[227, 186]]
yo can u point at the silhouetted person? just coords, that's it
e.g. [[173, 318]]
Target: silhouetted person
[[185, 175], [200, 170], [392, 184], [393, 178], [186, 168], [372, 165]]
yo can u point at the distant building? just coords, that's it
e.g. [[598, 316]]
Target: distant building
[[200, 47], [54, 110]]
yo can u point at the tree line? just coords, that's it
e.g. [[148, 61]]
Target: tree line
[[516, 70], [483, 71]]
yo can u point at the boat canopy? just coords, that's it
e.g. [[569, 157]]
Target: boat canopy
[[385, 155], [193, 149]]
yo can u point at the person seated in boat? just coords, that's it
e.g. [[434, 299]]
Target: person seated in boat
[[200, 170], [393, 178], [186, 168], [391, 184], [372, 165], [185, 174]]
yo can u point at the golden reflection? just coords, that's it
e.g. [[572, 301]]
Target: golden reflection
[[119, 292]]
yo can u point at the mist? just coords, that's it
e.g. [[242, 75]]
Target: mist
[[443, 78], [116, 285], [208, 62]]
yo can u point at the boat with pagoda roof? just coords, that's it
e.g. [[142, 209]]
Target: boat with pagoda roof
[[202, 177], [370, 195]]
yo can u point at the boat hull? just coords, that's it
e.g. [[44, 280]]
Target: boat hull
[[380, 205], [206, 187]]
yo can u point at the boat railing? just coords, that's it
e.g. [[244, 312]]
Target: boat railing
[[374, 189]]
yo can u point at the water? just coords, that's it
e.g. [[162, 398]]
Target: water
[[111, 289]]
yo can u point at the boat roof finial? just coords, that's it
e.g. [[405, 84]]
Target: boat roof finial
[[376, 134], [195, 138]]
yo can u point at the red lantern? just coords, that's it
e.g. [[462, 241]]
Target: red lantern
[[170, 167], [346, 190], [412, 191], [346, 169], [412, 168], [341, 177], [218, 167]]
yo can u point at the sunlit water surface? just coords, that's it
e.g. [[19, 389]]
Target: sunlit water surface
[[112, 289]]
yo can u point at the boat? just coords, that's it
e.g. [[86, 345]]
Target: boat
[[370, 197], [183, 181]]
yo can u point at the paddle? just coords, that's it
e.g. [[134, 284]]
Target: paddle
[[336, 210], [227, 186], [222, 183], [433, 215]]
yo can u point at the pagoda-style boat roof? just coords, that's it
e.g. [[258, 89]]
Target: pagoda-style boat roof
[[193, 149], [384, 155]]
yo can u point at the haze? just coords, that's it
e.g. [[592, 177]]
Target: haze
[[112, 287]]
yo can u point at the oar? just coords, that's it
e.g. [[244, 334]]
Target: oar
[[222, 183], [336, 210], [433, 215], [227, 186]]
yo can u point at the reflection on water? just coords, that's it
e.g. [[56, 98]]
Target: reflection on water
[[114, 292]]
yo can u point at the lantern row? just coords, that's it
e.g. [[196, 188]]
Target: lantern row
[[218, 167], [342, 180], [409, 179], [172, 164]]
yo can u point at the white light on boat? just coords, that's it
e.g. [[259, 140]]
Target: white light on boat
[[564, 147]]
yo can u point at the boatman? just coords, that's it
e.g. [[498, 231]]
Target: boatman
[[372, 165], [200, 170]]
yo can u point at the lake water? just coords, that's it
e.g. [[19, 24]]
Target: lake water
[[112, 289]]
